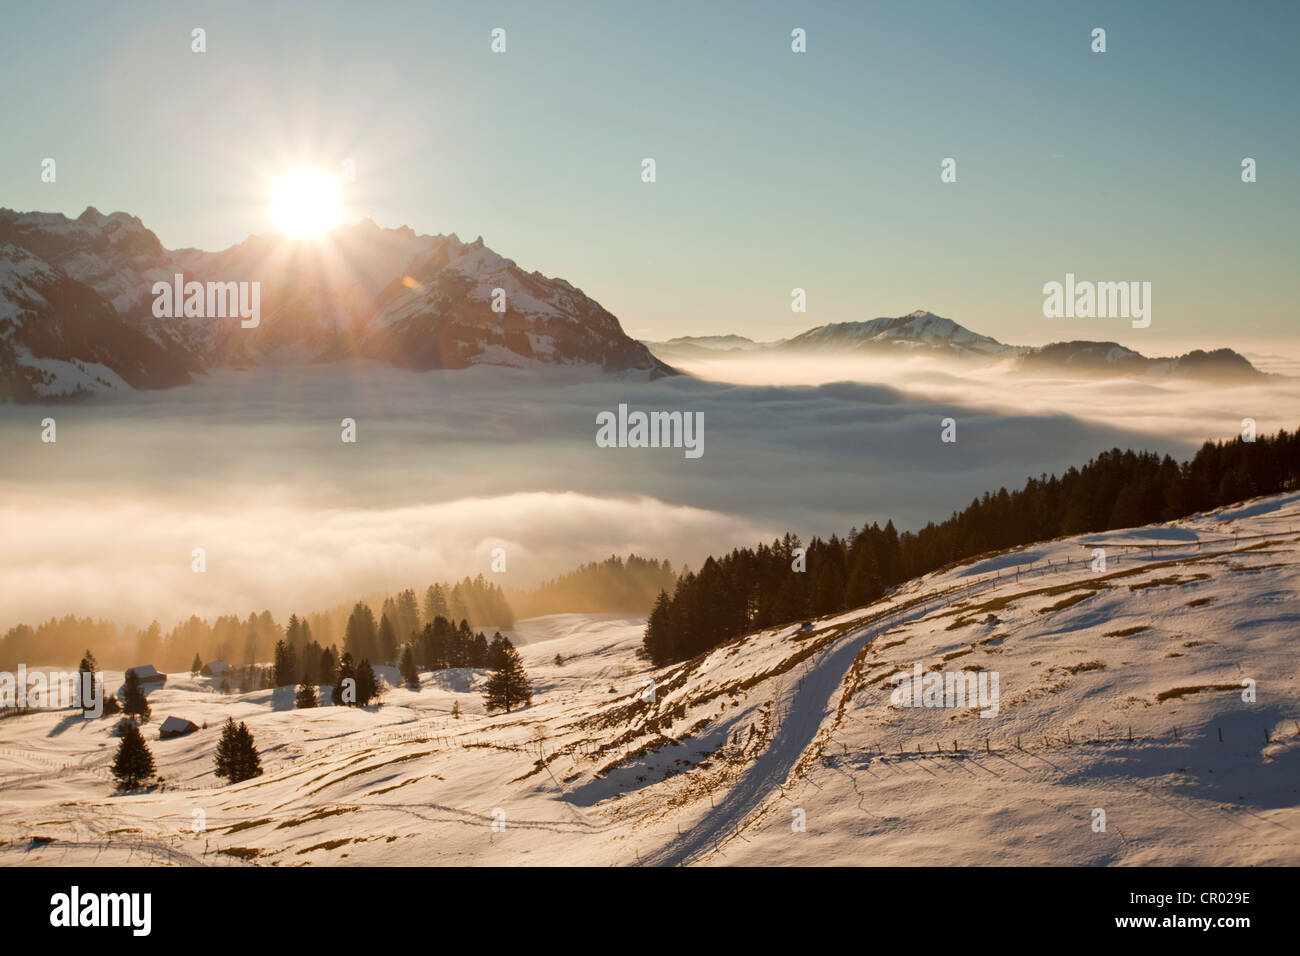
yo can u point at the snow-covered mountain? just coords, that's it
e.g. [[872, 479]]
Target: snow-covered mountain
[[924, 333], [919, 330], [1160, 690], [417, 301], [59, 338]]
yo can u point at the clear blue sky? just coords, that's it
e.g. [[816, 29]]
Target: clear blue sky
[[775, 170]]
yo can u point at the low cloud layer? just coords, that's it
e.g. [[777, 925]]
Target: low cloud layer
[[447, 465]]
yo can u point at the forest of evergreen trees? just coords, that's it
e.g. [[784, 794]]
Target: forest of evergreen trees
[[614, 584], [753, 588]]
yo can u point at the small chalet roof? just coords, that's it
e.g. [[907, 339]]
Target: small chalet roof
[[176, 725], [144, 671]]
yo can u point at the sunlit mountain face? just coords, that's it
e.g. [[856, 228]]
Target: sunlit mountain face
[[356, 291]]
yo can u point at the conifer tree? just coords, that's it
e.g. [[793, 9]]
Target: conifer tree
[[361, 639], [196, 665], [367, 684], [497, 650], [286, 664], [237, 757], [345, 684], [134, 702], [410, 673], [90, 666], [329, 666], [387, 640], [306, 696], [508, 685], [133, 764], [435, 603]]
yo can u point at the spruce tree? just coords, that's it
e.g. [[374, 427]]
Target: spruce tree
[[133, 764], [286, 664], [367, 684], [196, 665], [306, 693], [361, 639], [134, 702], [508, 686], [497, 650], [410, 673], [329, 666], [387, 640], [237, 757], [346, 681], [89, 666]]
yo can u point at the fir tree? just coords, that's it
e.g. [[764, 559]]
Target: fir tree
[[508, 685], [410, 673], [133, 764], [387, 639], [367, 684], [134, 702], [329, 666], [306, 693], [345, 687], [286, 664], [89, 666], [237, 757], [361, 638], [196, 665], [435, 603], [498, 650]]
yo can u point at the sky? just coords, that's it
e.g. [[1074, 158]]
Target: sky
[[775, 170]]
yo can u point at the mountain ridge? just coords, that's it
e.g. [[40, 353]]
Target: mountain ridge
[[923, 332], [415, 301]]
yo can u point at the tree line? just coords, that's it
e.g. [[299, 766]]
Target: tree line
[[613, 585], [770, 585]]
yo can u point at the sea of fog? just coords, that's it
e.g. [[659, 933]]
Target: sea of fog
[[250, 466]]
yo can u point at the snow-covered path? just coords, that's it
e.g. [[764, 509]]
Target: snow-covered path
[[813, 697]]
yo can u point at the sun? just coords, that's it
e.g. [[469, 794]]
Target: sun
[[305, 203]]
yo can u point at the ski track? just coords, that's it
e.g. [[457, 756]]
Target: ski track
[[814, 697]]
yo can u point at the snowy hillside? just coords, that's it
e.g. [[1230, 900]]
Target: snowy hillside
[[1120, 690]]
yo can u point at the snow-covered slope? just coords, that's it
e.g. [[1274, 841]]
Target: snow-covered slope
[[1120, 690]]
